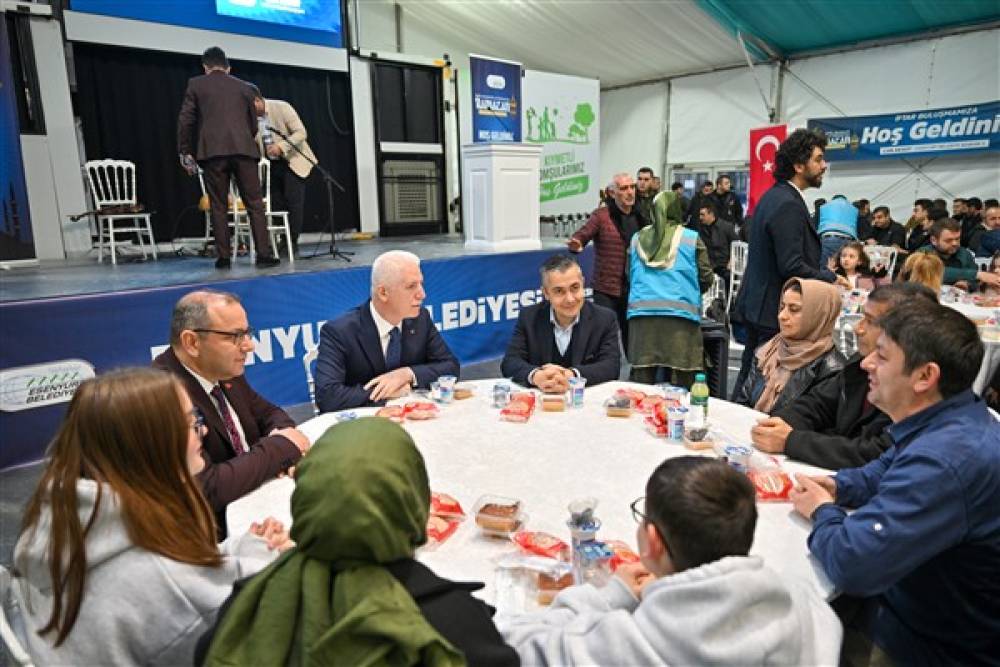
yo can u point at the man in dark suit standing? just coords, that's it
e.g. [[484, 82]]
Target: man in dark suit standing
[[216, 127], [783, 241], [564, 336], [387, 346], [248, 439]]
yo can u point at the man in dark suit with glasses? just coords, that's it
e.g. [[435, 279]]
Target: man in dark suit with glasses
[[248, 440]]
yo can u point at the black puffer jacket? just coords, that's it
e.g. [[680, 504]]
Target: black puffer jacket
[[802, 380]]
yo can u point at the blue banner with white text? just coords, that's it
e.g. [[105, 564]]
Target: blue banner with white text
[[973, 128], [49, 346], [16, 239], [496, 100]]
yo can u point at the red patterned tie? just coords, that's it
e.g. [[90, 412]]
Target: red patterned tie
[[227, 419]]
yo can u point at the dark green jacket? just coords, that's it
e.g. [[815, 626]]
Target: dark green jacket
[[959, 266]]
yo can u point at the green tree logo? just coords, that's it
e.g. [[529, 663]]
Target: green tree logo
[[584, 117]]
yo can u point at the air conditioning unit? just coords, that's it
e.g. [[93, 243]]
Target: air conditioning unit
[[412, 191]]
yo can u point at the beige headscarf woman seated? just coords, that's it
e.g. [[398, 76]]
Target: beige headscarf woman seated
[[803, 353]]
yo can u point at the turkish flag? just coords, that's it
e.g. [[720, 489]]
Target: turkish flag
[[764, 142]]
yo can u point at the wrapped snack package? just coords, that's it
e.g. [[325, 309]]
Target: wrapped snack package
[[548, 576], [634, 396], [771, 483], [554, 403], [462, 392], [541, 544], [698, 437], [647, 404], [520, 407], [392, 412], [549, 585], [439, 529], [498, 516], [420, 410], [623, 554], [446, 506], [618, 405]]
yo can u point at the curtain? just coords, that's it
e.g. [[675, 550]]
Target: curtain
[[128, 99]]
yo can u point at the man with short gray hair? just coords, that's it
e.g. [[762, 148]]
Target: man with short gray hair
[[248, 440], [611, 229], [382, 349]]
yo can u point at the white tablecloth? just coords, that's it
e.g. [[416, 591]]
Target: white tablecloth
[[991, 356], [554, 458]]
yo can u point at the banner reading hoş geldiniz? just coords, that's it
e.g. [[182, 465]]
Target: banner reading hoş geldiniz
[[496, 100], [973, 128], [764, 142], [561, 113]]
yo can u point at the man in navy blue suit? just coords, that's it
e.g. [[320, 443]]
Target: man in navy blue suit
[[783, 242], [387, 346], [564, 336]]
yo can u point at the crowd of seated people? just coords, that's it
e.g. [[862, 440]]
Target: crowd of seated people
[[127, 525]]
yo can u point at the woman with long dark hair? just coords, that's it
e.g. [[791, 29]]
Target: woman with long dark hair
[[117, 562]]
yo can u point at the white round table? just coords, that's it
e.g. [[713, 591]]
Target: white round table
[[554, 458], [989, 336]]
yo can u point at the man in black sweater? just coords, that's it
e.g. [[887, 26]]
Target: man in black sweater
[[834, 426]]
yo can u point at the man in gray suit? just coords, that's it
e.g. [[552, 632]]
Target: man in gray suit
[[215, 130]]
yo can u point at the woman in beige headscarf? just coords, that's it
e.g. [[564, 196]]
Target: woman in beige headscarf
[[802, 354]]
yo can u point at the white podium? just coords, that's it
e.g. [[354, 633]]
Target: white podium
[[500, 205]]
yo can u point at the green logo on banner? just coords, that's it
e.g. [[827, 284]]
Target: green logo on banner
[[542, 127], [567, 187]]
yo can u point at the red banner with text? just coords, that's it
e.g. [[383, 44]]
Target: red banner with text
[[764, 142]]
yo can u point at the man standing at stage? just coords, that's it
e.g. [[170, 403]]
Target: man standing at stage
[[281, 138], [216, 128]]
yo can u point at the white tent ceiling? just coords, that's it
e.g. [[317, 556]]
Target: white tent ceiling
[[617, 42]]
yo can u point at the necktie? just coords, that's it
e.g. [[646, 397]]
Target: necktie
[[393, 351], [227, 419]]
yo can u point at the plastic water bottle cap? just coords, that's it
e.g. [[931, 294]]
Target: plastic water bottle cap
[[700, 377]]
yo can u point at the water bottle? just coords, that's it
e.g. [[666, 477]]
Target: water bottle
[[699, 397]]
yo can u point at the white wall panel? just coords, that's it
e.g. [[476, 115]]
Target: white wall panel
[[633, 121], [364, 144], [711, 115]]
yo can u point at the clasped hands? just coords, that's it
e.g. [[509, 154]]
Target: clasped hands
[[273, 532], [552, 379], [391, 385]]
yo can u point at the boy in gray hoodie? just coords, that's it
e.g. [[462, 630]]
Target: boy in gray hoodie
[[697, 598]]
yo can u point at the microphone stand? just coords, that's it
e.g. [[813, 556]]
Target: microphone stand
[[330, 183]]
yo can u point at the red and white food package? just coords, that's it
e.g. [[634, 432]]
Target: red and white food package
[[439, 529], [446, 506], [541, 544], [420, 410], [392, 412], [634, 396], [520, 408], [647, 404], [771, 484], [623, 554]]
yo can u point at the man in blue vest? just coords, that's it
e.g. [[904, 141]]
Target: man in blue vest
[[838, 226]]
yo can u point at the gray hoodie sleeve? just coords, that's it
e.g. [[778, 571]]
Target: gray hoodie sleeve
[[584, 626]]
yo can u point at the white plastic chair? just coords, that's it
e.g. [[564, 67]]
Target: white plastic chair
[[983, 263], [308, 359], [844, 336], [737, 267], [242, 227], [112, 184], [714, 292], [15, 653], [886, 253]]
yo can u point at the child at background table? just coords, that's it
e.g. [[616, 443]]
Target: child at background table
[[853, 263], [696, 598]]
